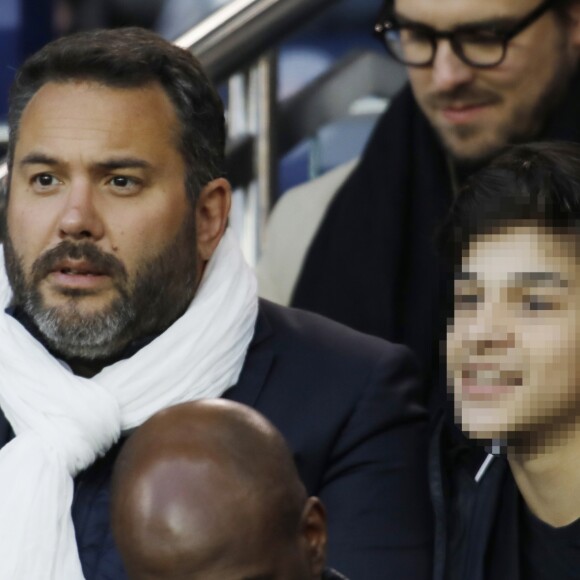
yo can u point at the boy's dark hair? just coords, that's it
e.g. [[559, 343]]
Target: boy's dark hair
[[130, 58], [537, 184]]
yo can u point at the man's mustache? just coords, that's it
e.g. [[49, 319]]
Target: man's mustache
[[98, 259], [464, 95]]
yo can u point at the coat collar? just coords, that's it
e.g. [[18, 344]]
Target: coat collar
[[259, 359], [480, 540]]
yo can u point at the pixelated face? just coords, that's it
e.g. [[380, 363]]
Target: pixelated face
[[101, 233], [477, 111], [513, 347]]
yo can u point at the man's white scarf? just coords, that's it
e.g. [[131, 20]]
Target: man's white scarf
[[64, 422]]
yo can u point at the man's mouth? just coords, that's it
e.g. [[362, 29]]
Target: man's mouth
[[78, 274], [462, 106], [460, 113], [73, 269], [80, 267], [486, 382]]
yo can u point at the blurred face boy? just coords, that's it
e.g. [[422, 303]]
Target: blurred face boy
[[513, 349]]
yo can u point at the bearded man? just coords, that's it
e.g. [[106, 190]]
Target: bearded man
[[124, 292]]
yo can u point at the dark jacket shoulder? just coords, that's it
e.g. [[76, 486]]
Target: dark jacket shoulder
[[333, 358], [303, 371], [350, 408], [308, 331]]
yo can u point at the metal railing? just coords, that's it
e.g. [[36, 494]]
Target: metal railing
[[234, 36], [235, 43]]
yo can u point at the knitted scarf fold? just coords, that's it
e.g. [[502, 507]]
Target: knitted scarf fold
[[63, 422]]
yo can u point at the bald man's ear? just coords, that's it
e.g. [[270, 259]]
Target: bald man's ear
[[313, 527], [212, 210]]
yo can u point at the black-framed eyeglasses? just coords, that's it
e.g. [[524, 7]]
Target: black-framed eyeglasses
[[478, 45]]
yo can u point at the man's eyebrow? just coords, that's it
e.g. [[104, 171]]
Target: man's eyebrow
[[409, 21], [552, 279], [123, 163], [498, 22], [36, 158]]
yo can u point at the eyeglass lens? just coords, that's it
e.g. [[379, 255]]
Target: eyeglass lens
[[416, 47]]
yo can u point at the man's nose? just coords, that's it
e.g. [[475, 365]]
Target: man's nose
[[79, 218], [492, 330], [449, 71]]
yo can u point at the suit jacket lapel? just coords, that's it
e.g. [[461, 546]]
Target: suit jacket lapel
[[258, 362]]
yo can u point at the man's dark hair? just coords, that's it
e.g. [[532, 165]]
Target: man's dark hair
[[533, 184], [130, 58]]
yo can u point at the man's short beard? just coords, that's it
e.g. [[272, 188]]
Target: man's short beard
[[161, 291], [71, 334], [526, 124], [523, 127]]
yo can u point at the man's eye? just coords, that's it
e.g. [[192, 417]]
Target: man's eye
[[125, 184], [536, 304], [480, 37], [466, 301], [45, 180], [412, 34], [122, 181]]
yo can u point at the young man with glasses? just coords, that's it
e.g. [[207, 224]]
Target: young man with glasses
[[482, 75], [513, 347], [483, 79]]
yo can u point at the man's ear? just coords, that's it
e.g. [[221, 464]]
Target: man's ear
[[313, 531], [211, 214]]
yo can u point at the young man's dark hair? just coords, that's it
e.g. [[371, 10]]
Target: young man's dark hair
[[536, 183], [133, 59]]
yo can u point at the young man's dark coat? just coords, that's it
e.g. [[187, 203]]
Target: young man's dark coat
[[476, 522]]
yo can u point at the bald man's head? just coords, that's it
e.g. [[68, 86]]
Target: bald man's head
[[208, 490]]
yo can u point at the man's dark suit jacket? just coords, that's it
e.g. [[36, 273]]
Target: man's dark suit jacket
[[348, 406]]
